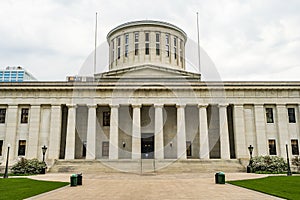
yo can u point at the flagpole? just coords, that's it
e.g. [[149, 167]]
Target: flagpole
[[198, 34], [95, 52]]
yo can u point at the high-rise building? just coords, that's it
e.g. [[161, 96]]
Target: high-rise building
[[15, 74]]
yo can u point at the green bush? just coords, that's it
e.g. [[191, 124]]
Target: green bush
[[268, 164], [24, 166]]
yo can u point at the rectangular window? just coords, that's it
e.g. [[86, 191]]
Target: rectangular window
[[24, 115], [292, 116], [147, 45], [119, 47], [175, 47], [188, 149], [167, 46], [112, 50], [1, 146], [105, 148], [2, 115], [295, 147], [180, 50], [157, 43], [106, 118], [272, 147], [126, 45], [22, 148], [136, 44], [269, 115]]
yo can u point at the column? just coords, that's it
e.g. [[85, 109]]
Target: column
[[136, 131], [70, 138], [260, 126], [10, 132], [55, 132], [114, 132], [159, 132], [181, 137], [239, 131], [283, 133], [224, 134], [34, 130], [91, 132], [203, 132]]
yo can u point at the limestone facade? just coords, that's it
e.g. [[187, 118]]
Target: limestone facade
[[141, 109]]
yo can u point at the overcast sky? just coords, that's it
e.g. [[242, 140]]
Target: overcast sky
[[246, 39]]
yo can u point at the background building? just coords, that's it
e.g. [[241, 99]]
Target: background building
[[15, 74]]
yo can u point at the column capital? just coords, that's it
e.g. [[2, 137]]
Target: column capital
[[55, 105], [35, 105], [92, 105], [202, 105], [71, 105], [158, 105], [180, 105], [259, 105], [114, 105], [238, 105], [13, 105], [136, 105], [221, 105], [280, 105]]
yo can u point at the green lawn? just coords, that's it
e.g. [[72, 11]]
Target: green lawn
[[20, 188], [281, 186]]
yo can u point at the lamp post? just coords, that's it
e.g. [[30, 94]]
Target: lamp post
[[44, 149], [289, 173], [6, 166], [249, 169]]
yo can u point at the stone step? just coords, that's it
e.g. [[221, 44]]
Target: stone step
[[148, 166]]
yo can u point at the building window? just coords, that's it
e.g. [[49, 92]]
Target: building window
[[167, 45], [292, 116], [2, 115], [112, 50], [119, 47], [272, 147], [175, 47], [105, 148], [147, 43], [126, 45], [136, 44], [295, 147], [1, 146], [180, 50], [188, 149], [269, 115], [157, 43], [106, 118], [24, 115], [22, 148]]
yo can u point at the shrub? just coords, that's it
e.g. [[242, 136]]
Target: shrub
[[24, 166], [296, 162], [268, 164]]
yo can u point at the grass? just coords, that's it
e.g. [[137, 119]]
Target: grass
[[281, 186], [20, 188]]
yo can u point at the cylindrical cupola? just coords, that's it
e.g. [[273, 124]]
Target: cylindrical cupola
[[146, 42]]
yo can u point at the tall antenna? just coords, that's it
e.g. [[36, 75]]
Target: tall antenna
[[198, 33], [95, 60]]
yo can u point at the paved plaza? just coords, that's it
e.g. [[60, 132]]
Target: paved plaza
[[150, 186]]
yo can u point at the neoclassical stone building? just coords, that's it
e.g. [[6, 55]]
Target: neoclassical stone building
[[147, 106]]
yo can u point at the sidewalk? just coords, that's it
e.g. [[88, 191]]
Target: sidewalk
[[159, 186]]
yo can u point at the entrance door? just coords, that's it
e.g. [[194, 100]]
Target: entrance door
[[147, 142]]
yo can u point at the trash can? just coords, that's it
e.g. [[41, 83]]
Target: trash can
[[73, 180], [43, 170], [79, 179], [220, 178]]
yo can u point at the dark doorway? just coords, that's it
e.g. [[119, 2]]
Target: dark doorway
[[147, 142]]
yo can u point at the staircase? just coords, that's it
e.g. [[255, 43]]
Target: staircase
[[148, 166]]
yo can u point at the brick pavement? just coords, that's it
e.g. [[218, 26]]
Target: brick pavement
[[159, 186]]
